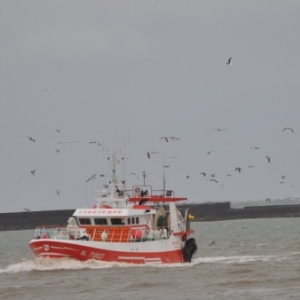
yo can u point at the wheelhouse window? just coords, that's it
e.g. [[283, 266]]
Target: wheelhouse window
[[134, 220], [100, 221], [117, 221], [85, 221]]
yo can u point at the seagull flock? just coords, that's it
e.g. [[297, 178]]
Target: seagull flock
[[238, 169], [211, 177], [33, 172], [208, 176]]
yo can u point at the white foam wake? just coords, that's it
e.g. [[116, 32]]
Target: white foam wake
[[48, 264], [234, 259]]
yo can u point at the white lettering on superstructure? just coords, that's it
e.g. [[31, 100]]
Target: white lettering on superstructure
[[99, 212]]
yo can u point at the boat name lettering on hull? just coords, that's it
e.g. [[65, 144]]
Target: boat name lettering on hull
[[94, 255]]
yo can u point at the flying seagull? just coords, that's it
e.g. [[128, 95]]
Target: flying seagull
[[32, 172], [288, 128], [220, 129], [167, 138], [92, 177], [57, 150], [137, 176], [95, 143], [209, 152], [268, 158], [238, 169], [150, 153], [58, 192], [164, 138], [58, 131], [212, 179], [283, 182], [31, 139], [229, 61], [174, 138], [203, 173]]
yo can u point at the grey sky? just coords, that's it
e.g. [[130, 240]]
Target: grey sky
[[140, 70]]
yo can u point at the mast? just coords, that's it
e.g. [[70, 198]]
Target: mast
[[164, 179], [114, 179]]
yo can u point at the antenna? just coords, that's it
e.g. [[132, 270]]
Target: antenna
[[164, 178], [85, 194]]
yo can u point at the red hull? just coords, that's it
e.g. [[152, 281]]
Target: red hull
[[57, 249]]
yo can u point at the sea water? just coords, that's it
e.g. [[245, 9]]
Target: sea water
[[238, 259]]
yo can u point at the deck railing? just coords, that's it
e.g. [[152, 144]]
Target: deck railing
[[112, 235]]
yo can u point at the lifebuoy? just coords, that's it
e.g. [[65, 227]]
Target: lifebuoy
[[137, 233]]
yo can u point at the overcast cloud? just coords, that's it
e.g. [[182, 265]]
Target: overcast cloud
[[134, 71]]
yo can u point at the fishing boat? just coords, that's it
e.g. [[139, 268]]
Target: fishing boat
[[140, 225]]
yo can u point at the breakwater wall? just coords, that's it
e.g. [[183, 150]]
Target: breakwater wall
[[223, 211], [30, 220], [202, 212]]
